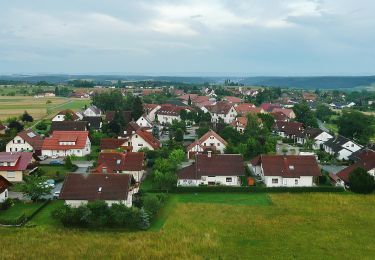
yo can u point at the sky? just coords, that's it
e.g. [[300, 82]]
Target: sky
[[188, 38]]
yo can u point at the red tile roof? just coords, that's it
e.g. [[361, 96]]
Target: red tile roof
[[96, 187], [32, 138], [115, 161], [150, 107], [240, 121], [216, 165], [205, 137], [367, 162], [2, 127], [268, 107], [52, 143], [111, 143], [149, 138], [233, 100], [245, 108], [186, 97], [287, 166], [4, 184], [221, 107], [285, 111], [23, 160]]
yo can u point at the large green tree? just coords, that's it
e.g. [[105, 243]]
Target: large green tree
[[35, 187], [137, 108], [305, 115], [356, 125], [361, 181]]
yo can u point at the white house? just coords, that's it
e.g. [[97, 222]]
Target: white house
[[341, 147], [4, 185], [168, 112], [143, 139], [64, 143], [223, 110], [286, 170], [62, 114], [143, 121], [317, 135], [92, 111], [209, 141], [78, 189], [25, 141], [213, 169]]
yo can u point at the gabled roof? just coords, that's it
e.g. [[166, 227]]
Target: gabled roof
[[95, 109], [150, 107], [4, 184], [312, 132], [32, 138], [96, 187], [288, 112], [240, 121], [115, 161], [149, 138], [111, 143], [110, 115], [232, 99], [205, 137], [68, 111], [269, 107], [279, 116], [53, 142], [221, 107], [68, 126], [287, 166], [366, 162], [23, 160], [289, 128], [216, 165], [337, 143], [245, 108], [93, 121]]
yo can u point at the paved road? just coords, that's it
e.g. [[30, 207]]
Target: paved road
[[322, 127], [333, 168]]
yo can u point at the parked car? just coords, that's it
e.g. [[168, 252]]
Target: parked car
[[56, 194], [55, 156], [50, 183], [56, 162], [43, 157]]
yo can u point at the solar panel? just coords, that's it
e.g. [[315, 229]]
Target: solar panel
[[31, 134]]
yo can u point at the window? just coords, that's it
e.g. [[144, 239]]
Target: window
[[218, 144], [140, 144], [275, 181], [11, 175], [296, 181], [229, 179]]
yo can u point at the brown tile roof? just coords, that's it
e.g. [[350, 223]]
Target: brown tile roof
[[268, 107], [69, 126], [23, 160], [52, 142], [32, 138], [94, 122], [221, 107], [115, 161], [2, 127], [205, 137], [231, 99], [289, 128], [288, 112], [217, 165], [186, 97], [246, 108], [149, 138], [366, 162], [240, 121], [279, 116], [111, 143], [4, 184], [288, 166], [68, 111], [96, 187]]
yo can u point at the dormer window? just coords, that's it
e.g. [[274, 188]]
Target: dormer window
[[118, 161], [291, 167]]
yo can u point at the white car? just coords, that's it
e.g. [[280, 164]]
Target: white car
[[43, 157], [55, 156], [56, 194]]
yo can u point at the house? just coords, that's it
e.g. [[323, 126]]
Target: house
[[317, 135], [268, 107], [210, 141], [25, 141], [78, 189], [94, 122], [124, 163], [143, 139], [309, 97], [110, 115], [286, 111], [2, 129], [144, 122], [233, 100], [341, 147], [112, 144], [69, 126], [280, 116], [247, 108], [92, 111], [240, 123], [73, 116], [4, 185], [14, 165], [150, 111], [185, 98], [64, 143], [289, 130], [168, 112], [286, 170], [213, 169], [367, 162], [223, 110]]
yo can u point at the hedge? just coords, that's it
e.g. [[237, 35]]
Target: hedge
[[255, 189]]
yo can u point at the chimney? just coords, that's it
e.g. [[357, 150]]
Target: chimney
[[209, 154]]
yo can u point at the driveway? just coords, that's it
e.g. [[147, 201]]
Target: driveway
[[48, 161], [332, 168], [83, 166], [290, 150]]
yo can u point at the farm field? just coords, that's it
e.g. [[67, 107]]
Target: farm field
[[37, 107], [226, 226]]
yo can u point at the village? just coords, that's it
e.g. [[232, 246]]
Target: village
[[122, 149]]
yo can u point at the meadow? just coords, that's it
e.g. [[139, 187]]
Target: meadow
[[37, 107], [216, 226]]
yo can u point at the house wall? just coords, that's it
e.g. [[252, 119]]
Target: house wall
[[228, 118], [142, 122], [303, 181], [151, 115], [167, 119], [77, 152], [12, 176], [3, 195], [138, 143], [59, 118], [77, 203], [213, 141], [136, 174], [320, 139], [18, 144], [211, 180]]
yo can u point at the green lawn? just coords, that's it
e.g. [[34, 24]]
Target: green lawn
[[247, 199], [302, 226], [18, 209], [56, 172], [43, 218]]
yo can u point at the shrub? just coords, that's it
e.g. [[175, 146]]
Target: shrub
[[6, 204], [361, 182], [254, 189]]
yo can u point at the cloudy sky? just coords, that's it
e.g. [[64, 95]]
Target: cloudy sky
[[196, 37]]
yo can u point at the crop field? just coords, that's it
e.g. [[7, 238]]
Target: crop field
[[225, 226], [37, 107]]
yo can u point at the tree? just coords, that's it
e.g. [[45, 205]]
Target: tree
[[68, 117], [202, 130], [179, 135], [361, 181], [144, 221], [177, 156], [189, 101], [137, 109], [68, 163], [324, 113], [164, 180], [356, 125], [268, 120], [14, 124], [26, 117], [305, 115], [35, 187]]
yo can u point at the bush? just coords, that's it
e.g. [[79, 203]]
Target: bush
[[152, 203], [255, 189], [6, 204], [361, 182]]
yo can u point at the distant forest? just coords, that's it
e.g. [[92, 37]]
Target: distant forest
[[329, 82]]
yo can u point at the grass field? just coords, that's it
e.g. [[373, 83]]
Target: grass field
[[312, 226], [37, 107], [19, 209]]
